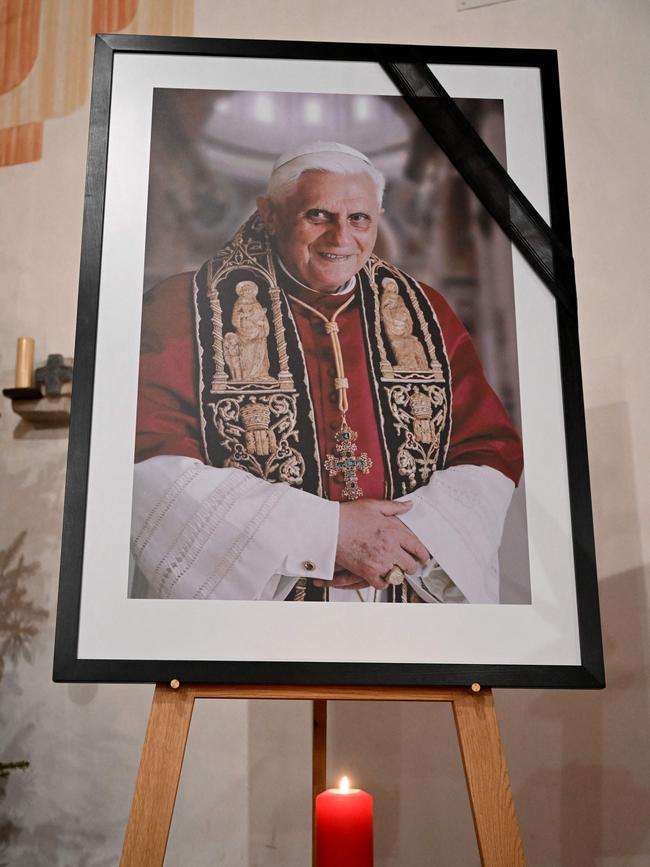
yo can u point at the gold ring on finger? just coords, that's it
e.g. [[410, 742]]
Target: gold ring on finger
[[394, 576]]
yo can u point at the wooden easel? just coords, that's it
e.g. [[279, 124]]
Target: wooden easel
[[495, 822]]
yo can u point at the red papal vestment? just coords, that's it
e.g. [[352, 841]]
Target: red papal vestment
[[168, 423], [168, 417]]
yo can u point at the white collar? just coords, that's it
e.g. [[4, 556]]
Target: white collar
[[347, 287]]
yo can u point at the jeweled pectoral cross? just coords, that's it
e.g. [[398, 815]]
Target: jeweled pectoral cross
[[347, 462]]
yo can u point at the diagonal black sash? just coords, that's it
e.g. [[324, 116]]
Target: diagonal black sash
[[544, 251]]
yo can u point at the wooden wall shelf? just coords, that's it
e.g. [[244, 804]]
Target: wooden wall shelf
[[48, 411]]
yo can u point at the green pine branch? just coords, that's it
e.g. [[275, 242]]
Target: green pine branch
[[19, 618], [19, 615]]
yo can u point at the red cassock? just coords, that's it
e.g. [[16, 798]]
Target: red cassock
[[168, 396]]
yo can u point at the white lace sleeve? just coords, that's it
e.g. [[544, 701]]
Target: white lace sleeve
[[459, 517], [199, 532]]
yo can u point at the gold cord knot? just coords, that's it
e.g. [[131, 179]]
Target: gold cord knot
[[341, 382], [331, 328]]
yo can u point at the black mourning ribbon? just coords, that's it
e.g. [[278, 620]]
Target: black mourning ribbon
[[544, 251]]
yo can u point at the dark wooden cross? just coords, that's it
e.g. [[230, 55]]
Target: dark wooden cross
[[54, 374], [347, 462]]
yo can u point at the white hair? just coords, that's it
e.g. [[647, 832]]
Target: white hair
[[321, 157]]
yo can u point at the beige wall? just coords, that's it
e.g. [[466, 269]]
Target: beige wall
[[578, 761]]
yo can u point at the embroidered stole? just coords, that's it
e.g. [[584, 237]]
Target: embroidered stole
[[257, 412]]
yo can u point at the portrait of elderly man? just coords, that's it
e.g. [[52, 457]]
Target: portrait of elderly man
[[313, 423]]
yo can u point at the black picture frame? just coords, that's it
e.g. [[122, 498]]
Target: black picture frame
[[588, 672]]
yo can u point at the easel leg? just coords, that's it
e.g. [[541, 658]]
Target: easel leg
[[319, 765], [490, 795], [158, 776]]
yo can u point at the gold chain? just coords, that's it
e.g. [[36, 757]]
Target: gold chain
[[331, 327], [345, 462]]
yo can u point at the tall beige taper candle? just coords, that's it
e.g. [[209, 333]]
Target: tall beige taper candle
[[25, 362]]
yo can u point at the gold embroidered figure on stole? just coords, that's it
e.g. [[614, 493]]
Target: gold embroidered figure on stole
[[245, 349], [255, 413], [412, 376], [419, 414], [260, 440], [260, 433], [407, 349], [424, 428]]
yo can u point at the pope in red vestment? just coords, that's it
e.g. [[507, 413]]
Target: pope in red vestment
[[322, 227], [168, 421]]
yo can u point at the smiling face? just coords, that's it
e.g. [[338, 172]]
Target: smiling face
[[325, 228]]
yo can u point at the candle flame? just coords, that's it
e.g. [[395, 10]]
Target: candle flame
[[344, 785]]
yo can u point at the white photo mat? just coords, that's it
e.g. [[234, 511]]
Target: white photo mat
[[111, 626]]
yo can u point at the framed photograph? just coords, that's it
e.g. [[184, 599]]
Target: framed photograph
[[327, 422]]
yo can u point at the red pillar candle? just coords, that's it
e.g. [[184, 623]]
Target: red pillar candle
[[344, 827]]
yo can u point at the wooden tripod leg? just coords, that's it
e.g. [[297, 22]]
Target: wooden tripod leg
[[157, 782], [318, 765], [486, 772]]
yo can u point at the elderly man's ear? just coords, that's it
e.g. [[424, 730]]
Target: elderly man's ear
[[267, 212]]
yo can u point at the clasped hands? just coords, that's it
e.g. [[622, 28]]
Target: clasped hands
[[372, 540]]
